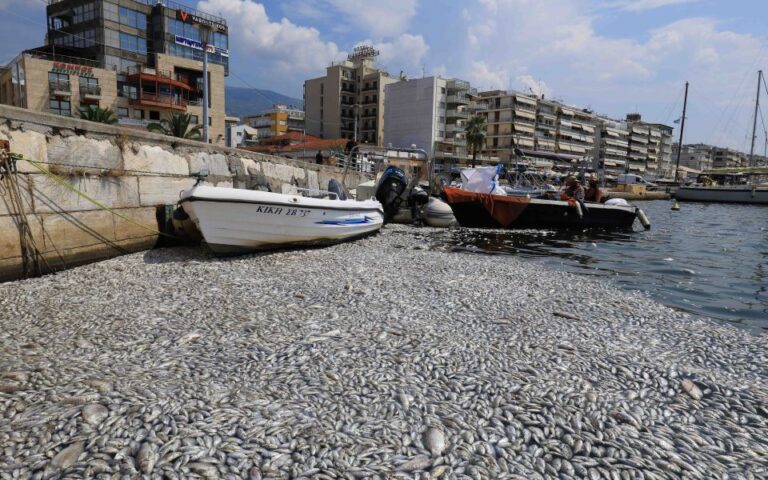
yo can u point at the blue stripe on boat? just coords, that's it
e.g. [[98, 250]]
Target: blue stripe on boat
[[349, 221]]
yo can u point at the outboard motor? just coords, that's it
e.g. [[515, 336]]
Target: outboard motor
[[389, 191], [417, 198], [334, 186]]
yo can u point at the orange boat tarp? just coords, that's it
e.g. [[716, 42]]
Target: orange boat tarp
[[504, 210]]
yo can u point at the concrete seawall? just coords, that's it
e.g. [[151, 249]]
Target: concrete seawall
[[133, 172]]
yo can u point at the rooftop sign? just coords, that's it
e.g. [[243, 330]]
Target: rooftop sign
[[187, 17], [70, 69]]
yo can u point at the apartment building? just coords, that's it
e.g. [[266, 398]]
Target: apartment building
[[348, 102], [546, 131], [141, 58], [551, 133], [431, 114], [728, 158], [697, 156], [276, 121]]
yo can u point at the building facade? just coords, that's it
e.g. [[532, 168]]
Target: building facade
[[429, 114], [697, 156], [728, 158], [348, 102], [141, 58], [545, 131], [276, 121]]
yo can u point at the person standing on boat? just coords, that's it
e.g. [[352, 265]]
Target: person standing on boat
[[594, 194], [573, 189], [319, 157]]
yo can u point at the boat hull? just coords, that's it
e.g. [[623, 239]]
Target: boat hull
[[477, 210], [234, 221], [723, 195]]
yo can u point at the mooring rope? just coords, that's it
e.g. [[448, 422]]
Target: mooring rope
[[87, 197]]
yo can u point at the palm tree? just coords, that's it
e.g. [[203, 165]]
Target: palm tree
[[98, 114], [474, 131], [177, 125]]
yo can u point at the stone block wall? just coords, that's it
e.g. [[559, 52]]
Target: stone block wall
[[133, 172]]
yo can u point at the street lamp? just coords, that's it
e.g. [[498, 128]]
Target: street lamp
[[205, 34]]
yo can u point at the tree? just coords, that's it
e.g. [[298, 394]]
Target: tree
[[98, 114], [474, 131], [177, 125]]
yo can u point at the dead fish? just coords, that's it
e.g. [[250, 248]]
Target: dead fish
[[434, 440], [691, 389]]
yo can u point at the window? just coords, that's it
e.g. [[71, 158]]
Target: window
[[58, 81], [112, 38], [89, 86], [210, 122], [176, 27], [110, 12], [133, 43], [122, 112], [60, 107], [154, 115], [138, 114], [84, 108], [220, 40], [133, 18], [85, 13], [194, 119], [84, 39]]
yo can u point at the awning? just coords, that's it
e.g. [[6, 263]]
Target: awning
[[567, 111], [550, 155], [524, 128], [525, 114], [527, 100]]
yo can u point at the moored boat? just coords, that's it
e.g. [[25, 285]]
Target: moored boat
[[234, 220], [484, 210], [723, 194]]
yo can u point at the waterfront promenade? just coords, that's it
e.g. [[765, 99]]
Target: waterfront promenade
[[372, 359]]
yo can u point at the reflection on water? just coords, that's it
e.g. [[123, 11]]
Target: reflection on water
[[706, 258]]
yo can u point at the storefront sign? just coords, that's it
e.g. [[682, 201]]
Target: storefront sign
[[70, 69], [187, 17], [188, 42]]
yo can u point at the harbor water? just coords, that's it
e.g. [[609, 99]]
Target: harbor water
[[706, 259]]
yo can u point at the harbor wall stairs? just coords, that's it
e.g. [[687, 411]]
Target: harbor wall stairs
[[134, 173]]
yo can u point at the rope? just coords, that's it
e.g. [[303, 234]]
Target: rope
[[64, 184], [94, 167]]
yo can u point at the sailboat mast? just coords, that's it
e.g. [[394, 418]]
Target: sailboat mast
[[682, 129], [754, 122]]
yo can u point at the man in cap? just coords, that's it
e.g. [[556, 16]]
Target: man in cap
[[573, 189]]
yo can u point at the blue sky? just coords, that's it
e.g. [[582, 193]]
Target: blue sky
[[615, 56]]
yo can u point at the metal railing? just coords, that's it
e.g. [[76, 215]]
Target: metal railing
[[59, 85], [172, 5], [93, 90], [63, 58], [161, 99]]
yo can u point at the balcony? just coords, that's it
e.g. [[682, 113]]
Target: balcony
[[457, 99], [60, 88], [90, 92], [161, 101], [454, 114]]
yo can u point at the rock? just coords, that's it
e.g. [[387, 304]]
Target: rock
[[94, 414], [691, 389], [68, 456], [434, 440]]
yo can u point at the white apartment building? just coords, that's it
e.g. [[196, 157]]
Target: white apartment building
[[428, 113]]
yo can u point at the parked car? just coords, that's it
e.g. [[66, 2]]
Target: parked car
[[632, 178]]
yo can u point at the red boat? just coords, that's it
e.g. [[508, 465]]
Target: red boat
[[483, 210]]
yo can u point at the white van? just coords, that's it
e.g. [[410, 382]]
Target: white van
[[631, 178]]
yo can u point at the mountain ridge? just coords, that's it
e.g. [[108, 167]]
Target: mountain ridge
[[242, 101]]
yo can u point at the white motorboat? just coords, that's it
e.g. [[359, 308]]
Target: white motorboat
[[234, 220], [723, 194]]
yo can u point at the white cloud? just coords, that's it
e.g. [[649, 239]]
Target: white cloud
[[487, 78], [536, 87], [406, 51], [282, 46], [556, 44], [381, 19], [643, 5]]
